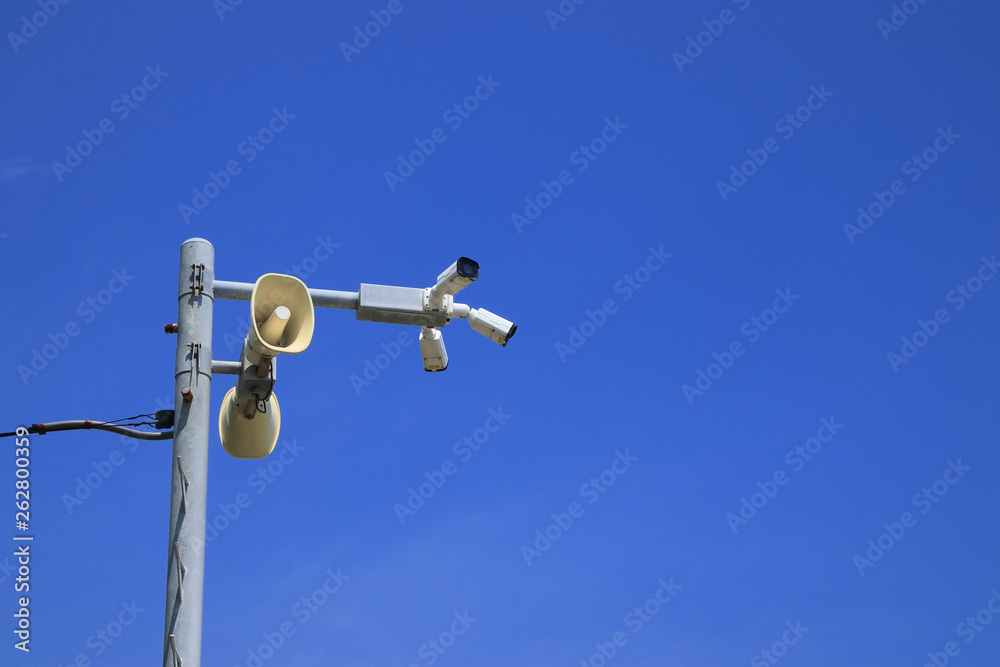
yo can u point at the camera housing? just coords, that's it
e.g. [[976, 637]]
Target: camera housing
[[492, 326], [462, 273], [432, 349]]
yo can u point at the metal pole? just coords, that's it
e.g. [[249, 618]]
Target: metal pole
[[189, 477]]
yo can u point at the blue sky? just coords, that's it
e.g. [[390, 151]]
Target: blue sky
[[750, 250]]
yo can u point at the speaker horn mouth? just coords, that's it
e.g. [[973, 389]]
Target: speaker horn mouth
[[282, 315]]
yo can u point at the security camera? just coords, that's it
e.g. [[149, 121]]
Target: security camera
[[431, 308], [433, 350], [460, 274], [492, 326], [457, 276]]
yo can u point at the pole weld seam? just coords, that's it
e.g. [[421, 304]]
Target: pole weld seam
[[184, 485], [173, 648], [181, 570]]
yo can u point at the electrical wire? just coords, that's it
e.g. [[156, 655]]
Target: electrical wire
[[164, 420]]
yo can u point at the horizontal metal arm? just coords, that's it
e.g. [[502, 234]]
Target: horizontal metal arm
[[373, 303], [323, 298], [226, 367]]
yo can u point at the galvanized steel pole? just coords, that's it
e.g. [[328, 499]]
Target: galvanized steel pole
[[189, 477]]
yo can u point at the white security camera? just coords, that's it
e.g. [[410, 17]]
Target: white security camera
[[492, 326], [431, 308], [457, 276], [433, 350]]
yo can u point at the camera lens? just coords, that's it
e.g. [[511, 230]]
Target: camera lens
[[467, 268]]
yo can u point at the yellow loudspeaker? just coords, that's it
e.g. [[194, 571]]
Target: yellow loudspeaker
[[244, 438], [271, 292]]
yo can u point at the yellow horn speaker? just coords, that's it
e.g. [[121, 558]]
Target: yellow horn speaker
[[244, 438], [272, 291], [282, 321]]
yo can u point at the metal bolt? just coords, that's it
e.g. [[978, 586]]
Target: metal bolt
[[187, 394], [169, 328]]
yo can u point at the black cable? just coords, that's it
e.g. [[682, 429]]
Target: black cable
[[79, 424], [125, 419], [31, 429], [164, 419]]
